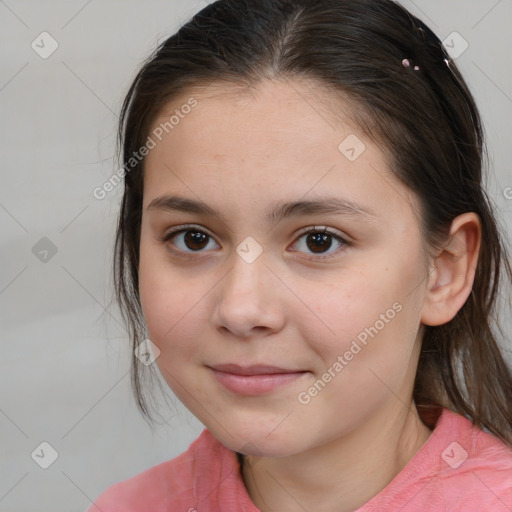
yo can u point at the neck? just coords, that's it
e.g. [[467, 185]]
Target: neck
[[340, 475]]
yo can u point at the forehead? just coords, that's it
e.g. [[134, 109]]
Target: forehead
[[276, 119], [273, 139], [332, 105]]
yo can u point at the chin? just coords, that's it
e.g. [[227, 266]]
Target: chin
[[256, 442]]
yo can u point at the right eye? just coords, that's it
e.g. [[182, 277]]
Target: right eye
[[187, 240]]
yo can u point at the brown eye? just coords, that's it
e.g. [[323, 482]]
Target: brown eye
[[320, 241], [195, 240], [188, 241]]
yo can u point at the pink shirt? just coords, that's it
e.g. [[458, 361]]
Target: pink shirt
[[459, 469]]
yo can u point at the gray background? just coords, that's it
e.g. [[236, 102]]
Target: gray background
[[64, 375]]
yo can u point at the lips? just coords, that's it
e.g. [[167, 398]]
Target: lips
[[253, 370], [255, 380]]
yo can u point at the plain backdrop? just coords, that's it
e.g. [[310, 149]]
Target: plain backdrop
[[64, 376]]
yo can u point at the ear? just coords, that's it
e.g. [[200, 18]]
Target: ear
[[453, 272]]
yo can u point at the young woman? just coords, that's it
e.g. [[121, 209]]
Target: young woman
[[305, 241]]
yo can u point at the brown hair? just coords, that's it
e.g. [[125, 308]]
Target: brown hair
[[426, 120]]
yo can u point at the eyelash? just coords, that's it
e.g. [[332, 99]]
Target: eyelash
[[165, 239]]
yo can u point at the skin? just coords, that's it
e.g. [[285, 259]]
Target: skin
[[241, 152]]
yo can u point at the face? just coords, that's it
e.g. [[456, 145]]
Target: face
[[328, 294]]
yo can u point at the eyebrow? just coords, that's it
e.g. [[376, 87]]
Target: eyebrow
[[280, 211]]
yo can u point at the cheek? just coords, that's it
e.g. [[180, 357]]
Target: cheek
[[171, 305], [368, 353], [367, 315]]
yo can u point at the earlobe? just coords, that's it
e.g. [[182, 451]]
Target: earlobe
[[453, 272]]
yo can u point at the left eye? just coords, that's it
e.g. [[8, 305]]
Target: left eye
[[319, 241]]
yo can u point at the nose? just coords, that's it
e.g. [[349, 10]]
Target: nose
[[249, 301]]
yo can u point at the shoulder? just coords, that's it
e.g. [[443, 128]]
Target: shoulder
[[470, 469], [477, 463], [472, 448], [165, 486], [461, 468]]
